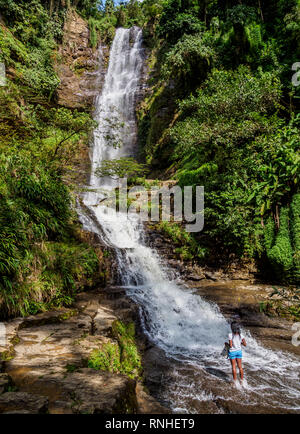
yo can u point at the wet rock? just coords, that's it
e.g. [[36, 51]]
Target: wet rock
[[239, 276], [175, 264], [147, 404], [21, 401], [50, 317], [113, 292], [239, 407], [155, 365], [5, 382], [195, 277], [211, 276], [100, 392]]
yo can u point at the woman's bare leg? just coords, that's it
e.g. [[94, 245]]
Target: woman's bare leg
[[233, 365], [239, 363]]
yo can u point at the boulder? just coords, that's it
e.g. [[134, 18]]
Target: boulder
[[147, 404], [102, 322], [91, 391], [18, 402]]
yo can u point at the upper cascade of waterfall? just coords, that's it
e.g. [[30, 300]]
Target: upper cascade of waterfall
[[115, 136]]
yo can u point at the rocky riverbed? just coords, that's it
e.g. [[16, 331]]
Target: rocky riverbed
[[44, 363]]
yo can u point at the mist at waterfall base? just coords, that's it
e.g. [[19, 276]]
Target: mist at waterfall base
[[190, 330]]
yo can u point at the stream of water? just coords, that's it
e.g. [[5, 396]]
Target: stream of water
[[190, 330]]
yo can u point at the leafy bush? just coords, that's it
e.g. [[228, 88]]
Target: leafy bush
[[189, 248], [38, 73], [103, 27], [35, 211], [281, 254], [295, 232], [269, 233], [184, 23], [124, 167], [213, 146], [191, 57]]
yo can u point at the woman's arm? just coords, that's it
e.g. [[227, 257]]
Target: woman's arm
[[244, 342], [230, 343]]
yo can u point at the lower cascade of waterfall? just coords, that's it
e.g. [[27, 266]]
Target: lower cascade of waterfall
[[190, 330]]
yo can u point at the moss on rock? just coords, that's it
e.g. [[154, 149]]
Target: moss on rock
[[122, 355]]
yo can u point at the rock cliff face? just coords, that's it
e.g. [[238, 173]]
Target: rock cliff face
[[81, 69]]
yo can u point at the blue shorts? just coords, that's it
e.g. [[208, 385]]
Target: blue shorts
[[235, 354]]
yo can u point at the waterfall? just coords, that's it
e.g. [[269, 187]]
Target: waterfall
[[190, 330], [115, 136]]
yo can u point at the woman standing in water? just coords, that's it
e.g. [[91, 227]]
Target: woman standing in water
[[236, 340]]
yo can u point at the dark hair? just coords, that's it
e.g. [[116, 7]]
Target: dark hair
[[235, 328]]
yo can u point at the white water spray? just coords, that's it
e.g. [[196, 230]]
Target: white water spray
[[189, 329]]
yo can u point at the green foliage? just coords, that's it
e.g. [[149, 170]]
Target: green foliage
[[129, 355], [228, 124], [190, 57], [88, 8], [42, 261], [71, 124], [241, 15], [122, 17], [93, 32], [39, 73], [106, 359], [210, 146], [124, 167], [103, 27], [49, 134], [188, 247], [29, 44], [178, 17], [121, 356], [71, 368], [281, 254], [295, 233], [184, 23], [39, 264], [254, 37], [269, 233], [274, 167], [11, 48]]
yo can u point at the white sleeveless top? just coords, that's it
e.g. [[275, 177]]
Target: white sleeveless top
[[236, 341]]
